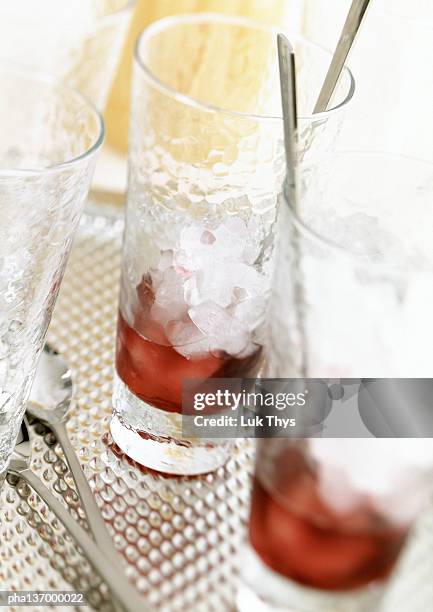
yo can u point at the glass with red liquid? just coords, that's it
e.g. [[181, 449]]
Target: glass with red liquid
[[151, 366], [329, 520], [206, 165]]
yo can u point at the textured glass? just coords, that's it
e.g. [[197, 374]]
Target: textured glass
[[353, 286], [206, 164], [348, 504], [50, 135]]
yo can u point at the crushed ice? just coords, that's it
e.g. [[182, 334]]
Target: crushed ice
[[209, 296]]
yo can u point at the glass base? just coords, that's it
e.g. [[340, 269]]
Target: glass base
[[153, 437], [263, 590]]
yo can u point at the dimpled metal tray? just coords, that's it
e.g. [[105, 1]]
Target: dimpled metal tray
[[179, 537]]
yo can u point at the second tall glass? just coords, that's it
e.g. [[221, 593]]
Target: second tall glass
[[352, 300], [50, 138], [206, 165]]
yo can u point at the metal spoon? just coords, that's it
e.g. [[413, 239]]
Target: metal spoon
[[348, 34], [121, 589], [49, 402]]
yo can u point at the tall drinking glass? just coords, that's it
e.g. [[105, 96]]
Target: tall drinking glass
[[206, 164], [353, 286], [329, 521], [50, 137], [353, 295]]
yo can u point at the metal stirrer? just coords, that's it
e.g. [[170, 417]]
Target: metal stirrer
[[348, 35], [286, 59], [287, 64]]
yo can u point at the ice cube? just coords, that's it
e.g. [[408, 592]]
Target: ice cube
[[236, 226], [165, 261], [207, 237], [196, 249], [201, 247], [224, 331], [169, 301], [191, 291], [187, 339], [230, 239], [213, 285], [224, 284], [251, 312], [248, 278]]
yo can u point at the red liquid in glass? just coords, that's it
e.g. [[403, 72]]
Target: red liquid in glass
[[299, 536], [154, 371]]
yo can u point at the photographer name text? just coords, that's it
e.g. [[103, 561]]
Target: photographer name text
[[244, 421]]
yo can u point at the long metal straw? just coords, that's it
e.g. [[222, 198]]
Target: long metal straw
[[287, 64], [348, 34]]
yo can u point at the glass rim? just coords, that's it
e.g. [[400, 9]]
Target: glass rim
[[333, 247], [195, 18], [53, 83]]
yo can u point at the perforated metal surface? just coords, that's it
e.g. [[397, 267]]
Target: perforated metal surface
[[179, 537]]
